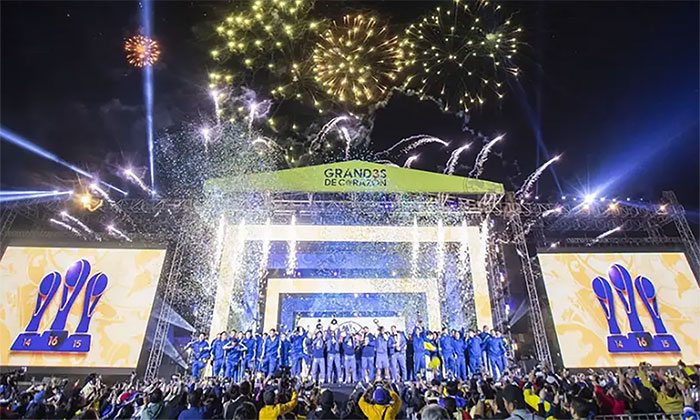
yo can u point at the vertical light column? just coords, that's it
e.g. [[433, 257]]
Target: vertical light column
[[231, 262], [292, 256], [478, 245]]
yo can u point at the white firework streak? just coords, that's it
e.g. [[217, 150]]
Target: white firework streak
[[323, 132], [532, 179], [386, 162], [409, 161], [131, 176], [102, 193], [556, 210], [65, 215], [454, 158], [117, 233], [66, 226], [348, 141], [424, 141], [292, 257], [268, 142], [482, 157]]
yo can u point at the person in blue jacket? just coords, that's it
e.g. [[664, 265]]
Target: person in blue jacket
[[285, 349], [249, 357], [447, 351], [418, 338], [259, 342], [318, 364], [271, 350], [217, 350], [201, 353], [349, 361], [308, 350], [460, 346], [496, 349], [474, 352], [397, 354], [367, 356], [381, 348], [332, 356], [297, 350], [484, 336], [234, 351]]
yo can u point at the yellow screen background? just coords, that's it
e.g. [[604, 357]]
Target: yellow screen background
[[580, 323], [121, 316]]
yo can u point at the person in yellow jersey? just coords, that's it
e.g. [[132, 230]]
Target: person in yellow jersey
[[380, 402], [272, 411]]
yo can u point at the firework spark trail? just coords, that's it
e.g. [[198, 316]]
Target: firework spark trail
[[131, 176], [323, 132], [549, 212], [409, 161], [422, 142], [102, 193], [66, 226], [403, 142], [65, 215], [532, 179], [482, 157], [348, 141], [386, 162], [117, 233], [454, 158]]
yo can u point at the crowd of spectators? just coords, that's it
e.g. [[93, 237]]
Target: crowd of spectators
[[517, 395]]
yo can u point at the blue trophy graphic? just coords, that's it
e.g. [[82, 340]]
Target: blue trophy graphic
[[57, 338], [637, 340]]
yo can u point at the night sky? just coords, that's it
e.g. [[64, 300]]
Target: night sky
[[611, 85]]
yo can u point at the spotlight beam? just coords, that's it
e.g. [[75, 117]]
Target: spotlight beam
[[31, 147], [146, 19], [15, 197]]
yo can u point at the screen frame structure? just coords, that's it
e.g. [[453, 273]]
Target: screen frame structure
[[548, 318], [58, 243]]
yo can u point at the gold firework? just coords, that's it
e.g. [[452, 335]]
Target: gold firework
[[141, 51], [356, 61], [459, 55]]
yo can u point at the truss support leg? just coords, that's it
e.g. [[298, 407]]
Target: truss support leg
[[155, 356], [536, 319]]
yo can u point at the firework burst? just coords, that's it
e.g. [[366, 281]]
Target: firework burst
[[141, 51], [459, 55], [356, 61]]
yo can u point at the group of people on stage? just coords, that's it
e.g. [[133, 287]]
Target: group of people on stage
[[337, 355]]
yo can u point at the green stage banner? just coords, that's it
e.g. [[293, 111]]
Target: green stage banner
[[353, 176]]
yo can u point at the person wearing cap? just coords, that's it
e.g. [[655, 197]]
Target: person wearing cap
[[397, 354], [349, 361], [297, 349], [201, 353], [271, 411], [332, 356], [326, 401], [514, 403], [385, 403]]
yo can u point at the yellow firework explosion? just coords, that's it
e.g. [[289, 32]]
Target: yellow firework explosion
[[264, 37], [141, 51], [356, 61], [460, 54]]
